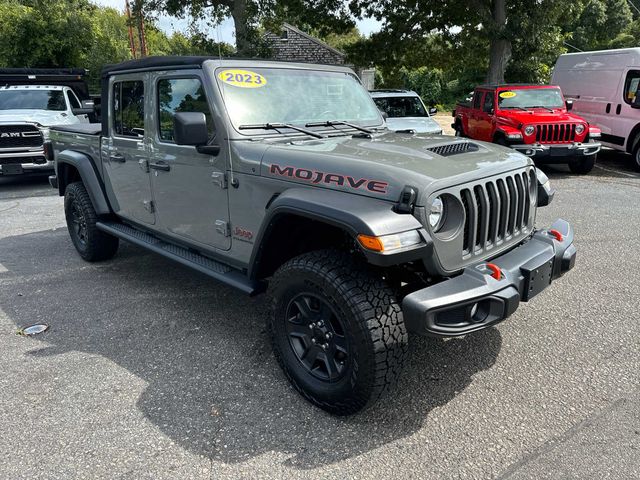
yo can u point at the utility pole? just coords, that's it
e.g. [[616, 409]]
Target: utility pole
[[132, 43]]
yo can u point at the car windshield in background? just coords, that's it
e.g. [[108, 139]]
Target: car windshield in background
[[530, 98], [32, 100], [297, 97], [398, 107]]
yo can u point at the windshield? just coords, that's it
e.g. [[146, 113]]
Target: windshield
[[32, 100], [530, 97], [297, 97], [397, 107]]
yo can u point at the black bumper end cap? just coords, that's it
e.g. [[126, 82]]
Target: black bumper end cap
[[53, 181]]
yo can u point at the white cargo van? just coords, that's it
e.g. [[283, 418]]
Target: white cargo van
[[604, 86]]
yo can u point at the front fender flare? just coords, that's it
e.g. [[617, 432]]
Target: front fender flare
[[355, 214], [85, 167]]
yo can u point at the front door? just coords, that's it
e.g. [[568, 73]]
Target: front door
[[475, 113], [189, 188], [125, 150]]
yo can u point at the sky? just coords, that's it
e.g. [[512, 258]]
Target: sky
[[225, 30]]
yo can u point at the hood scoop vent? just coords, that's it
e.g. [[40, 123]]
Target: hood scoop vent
[[454, 148]]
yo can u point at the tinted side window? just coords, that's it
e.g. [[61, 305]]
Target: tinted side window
[[128, 108], [631, 84], [488, 102], [73, 101], [477, 99], [180, 95]]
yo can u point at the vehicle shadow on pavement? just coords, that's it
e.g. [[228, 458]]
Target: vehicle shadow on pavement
[[213, 386]]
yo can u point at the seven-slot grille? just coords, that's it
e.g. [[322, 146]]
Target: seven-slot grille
[[556, 133], [19, 136], [496, 211]]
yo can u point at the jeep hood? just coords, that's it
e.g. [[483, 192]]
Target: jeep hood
[[537, 115], [45, 118], [383, 165]]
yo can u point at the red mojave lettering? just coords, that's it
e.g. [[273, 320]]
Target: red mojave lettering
[[316, 177]]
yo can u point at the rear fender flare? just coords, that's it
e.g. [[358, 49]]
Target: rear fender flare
[[85, 167]]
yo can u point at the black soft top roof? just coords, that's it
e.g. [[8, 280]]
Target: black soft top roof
[[153, 63]]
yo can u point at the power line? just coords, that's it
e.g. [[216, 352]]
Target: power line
[[633, 5]]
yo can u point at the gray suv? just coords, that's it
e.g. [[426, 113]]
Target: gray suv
[[282, 176]]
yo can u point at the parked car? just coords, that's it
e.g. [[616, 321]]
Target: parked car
[[532, 119], [28, 109], [361, 234], [405, 111], [604, 86]]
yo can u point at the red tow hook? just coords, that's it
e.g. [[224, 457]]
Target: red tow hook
[[495, 271], [556, 234]]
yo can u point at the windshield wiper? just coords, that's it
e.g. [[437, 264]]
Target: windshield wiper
[[333, 123], [519, 108], [541, 106], [278, 126]]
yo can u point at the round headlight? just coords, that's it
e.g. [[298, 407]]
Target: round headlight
[[579, 129], [436, 214], [529, 130]]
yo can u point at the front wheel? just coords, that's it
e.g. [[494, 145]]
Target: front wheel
[[337, 331], [92, 244], [636, 155], [583, 165]]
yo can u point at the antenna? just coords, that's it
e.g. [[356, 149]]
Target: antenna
[[575, 48], [232, 178]]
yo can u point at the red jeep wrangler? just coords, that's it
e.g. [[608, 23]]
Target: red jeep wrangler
[[534, 120]]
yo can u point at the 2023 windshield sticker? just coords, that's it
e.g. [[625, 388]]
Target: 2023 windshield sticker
[[242, 78]]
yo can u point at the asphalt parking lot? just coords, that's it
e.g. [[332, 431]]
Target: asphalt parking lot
[[150, 370]]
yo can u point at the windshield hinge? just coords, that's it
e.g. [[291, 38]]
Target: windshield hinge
[[220, 178], [222, 227]]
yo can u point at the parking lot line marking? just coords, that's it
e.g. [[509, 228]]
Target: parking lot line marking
[[616, 171]]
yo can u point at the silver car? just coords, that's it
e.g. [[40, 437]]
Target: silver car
[[405, 111]]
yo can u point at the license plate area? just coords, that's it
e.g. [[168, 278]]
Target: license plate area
[[537, 275], [11, 169], [559, 151]]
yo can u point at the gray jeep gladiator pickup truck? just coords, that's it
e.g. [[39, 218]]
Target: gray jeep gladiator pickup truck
[[280, 175]]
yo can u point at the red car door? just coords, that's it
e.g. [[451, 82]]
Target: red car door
[[484, 125], [474, 114]]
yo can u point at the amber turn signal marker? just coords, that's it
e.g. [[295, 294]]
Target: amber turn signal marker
[[371, 243]]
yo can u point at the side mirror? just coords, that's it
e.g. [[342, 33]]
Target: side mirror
[[433, 110], [190, 128], [82, 111], [385, 115], [569, 104]]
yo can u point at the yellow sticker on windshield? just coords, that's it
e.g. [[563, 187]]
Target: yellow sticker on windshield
[[242, 78], [507, 94]]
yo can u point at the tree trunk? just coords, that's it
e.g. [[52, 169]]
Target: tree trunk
[[500, 50], [240, 22], [499, 56]]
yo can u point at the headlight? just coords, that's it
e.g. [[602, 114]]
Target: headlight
[[385, 243], [529, 130], [579, 129], [436, 214]]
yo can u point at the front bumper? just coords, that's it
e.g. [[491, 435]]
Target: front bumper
[[558, 153], [475, 300], [31, 161]]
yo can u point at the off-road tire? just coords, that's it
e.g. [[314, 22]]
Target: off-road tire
[[92, 244], [373, 326], [583, 165]]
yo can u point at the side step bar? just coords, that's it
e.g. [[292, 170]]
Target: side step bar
[[213, 269]]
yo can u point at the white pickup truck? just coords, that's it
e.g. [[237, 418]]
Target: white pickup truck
[[26, 113]]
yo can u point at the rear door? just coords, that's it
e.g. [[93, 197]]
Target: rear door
[[189, 188], [126, 149], [474, 114]]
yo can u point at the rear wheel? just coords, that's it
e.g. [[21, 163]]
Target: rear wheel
[[337, 331], [583, 165], [636, 154], [92, 244]]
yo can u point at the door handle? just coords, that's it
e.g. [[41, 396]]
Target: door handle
[[165, 167], [117, 157]]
